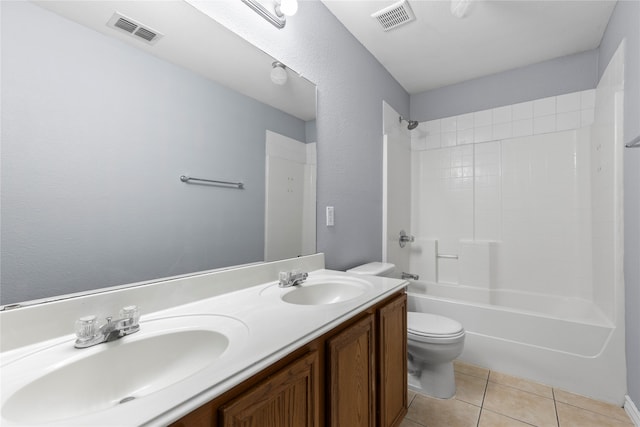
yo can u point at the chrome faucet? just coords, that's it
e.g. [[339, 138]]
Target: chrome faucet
[[291, 278], [404, 238], [88, 334]]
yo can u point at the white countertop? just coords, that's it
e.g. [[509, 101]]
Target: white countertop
[[273, 329]]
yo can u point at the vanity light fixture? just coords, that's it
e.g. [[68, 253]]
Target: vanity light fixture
[[281, 8], [278, 73]]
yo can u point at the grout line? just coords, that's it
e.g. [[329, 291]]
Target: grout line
[[411, 419], [555, 406], [628, 420], [484, 395], [412, 399], [593, 411], [512, 418], [486, 386], [526, 391]]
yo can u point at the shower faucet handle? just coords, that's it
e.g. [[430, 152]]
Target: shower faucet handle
[[404, 238]]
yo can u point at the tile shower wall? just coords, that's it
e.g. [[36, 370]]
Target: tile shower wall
[[516, 177], [442, 196], [556, 113]]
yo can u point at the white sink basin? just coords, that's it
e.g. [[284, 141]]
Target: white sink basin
[[322, 291], [61, 382]]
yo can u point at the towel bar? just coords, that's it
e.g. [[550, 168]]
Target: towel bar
[[239, 185]]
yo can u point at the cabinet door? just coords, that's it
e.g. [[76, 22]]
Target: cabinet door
[[351, 365], [201, 417], [392, 362], [289, 398]]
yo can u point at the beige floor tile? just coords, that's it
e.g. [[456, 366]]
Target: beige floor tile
[[408, 423], [473, 370], [522, 384], [443, 413], [571, 416], [410, 395], [508, 401], [603, 408], [470, 389], [521, 405], [492, 419]]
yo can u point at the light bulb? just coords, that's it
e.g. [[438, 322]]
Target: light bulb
[[278, 73], [289, 7]]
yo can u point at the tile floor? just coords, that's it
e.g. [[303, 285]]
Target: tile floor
[[490, 399]]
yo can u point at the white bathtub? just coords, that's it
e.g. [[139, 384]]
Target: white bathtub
[[571, 345]]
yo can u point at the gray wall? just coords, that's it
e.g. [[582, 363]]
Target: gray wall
[[550, 78], [351, 87], [95, 134], [625, 23]]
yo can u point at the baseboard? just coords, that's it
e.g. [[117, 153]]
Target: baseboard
[[632, 411]]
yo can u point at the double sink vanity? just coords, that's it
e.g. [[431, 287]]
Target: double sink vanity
[[215, 349]]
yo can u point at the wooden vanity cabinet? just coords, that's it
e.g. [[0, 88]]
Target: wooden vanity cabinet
[[287, 399], [353, 376], [391, 377], [351, 357]]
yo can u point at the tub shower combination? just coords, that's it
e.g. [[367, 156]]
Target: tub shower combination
[[564, 343], [519, 238]]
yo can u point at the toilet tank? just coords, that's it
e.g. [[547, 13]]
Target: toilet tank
[[384, 269]]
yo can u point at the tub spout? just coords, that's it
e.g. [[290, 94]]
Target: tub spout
[[409, 276]]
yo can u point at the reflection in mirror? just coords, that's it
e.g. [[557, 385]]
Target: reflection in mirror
[[98, 125]]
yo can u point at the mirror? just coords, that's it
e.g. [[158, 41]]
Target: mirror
[[98, 125]]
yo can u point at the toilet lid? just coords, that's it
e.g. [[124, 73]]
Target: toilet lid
[[426, 324], [373, 269]]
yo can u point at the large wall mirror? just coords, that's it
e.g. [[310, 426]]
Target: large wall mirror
[[98, 125]]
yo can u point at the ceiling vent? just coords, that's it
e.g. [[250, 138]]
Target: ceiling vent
[[393, 16], [134, 28]]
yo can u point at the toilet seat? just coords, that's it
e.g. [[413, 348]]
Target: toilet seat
[[431, 328]]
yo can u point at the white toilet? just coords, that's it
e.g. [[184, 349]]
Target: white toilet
[[433, 342], [384, 269]]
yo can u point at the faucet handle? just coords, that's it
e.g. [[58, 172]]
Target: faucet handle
[[285, 276], [86, 328], [130, 313]]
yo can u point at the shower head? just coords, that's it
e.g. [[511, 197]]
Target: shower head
[[411, 124]]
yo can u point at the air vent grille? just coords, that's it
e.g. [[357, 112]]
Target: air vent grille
[[134, 28], [145, 34], [123, 24], [393, 16]]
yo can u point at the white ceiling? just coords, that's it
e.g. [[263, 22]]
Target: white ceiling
[[438, 49], [195, 41]]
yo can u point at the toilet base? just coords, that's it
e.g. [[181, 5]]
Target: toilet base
[[434, 381]]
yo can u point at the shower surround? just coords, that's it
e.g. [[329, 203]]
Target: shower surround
[[518, 224]]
